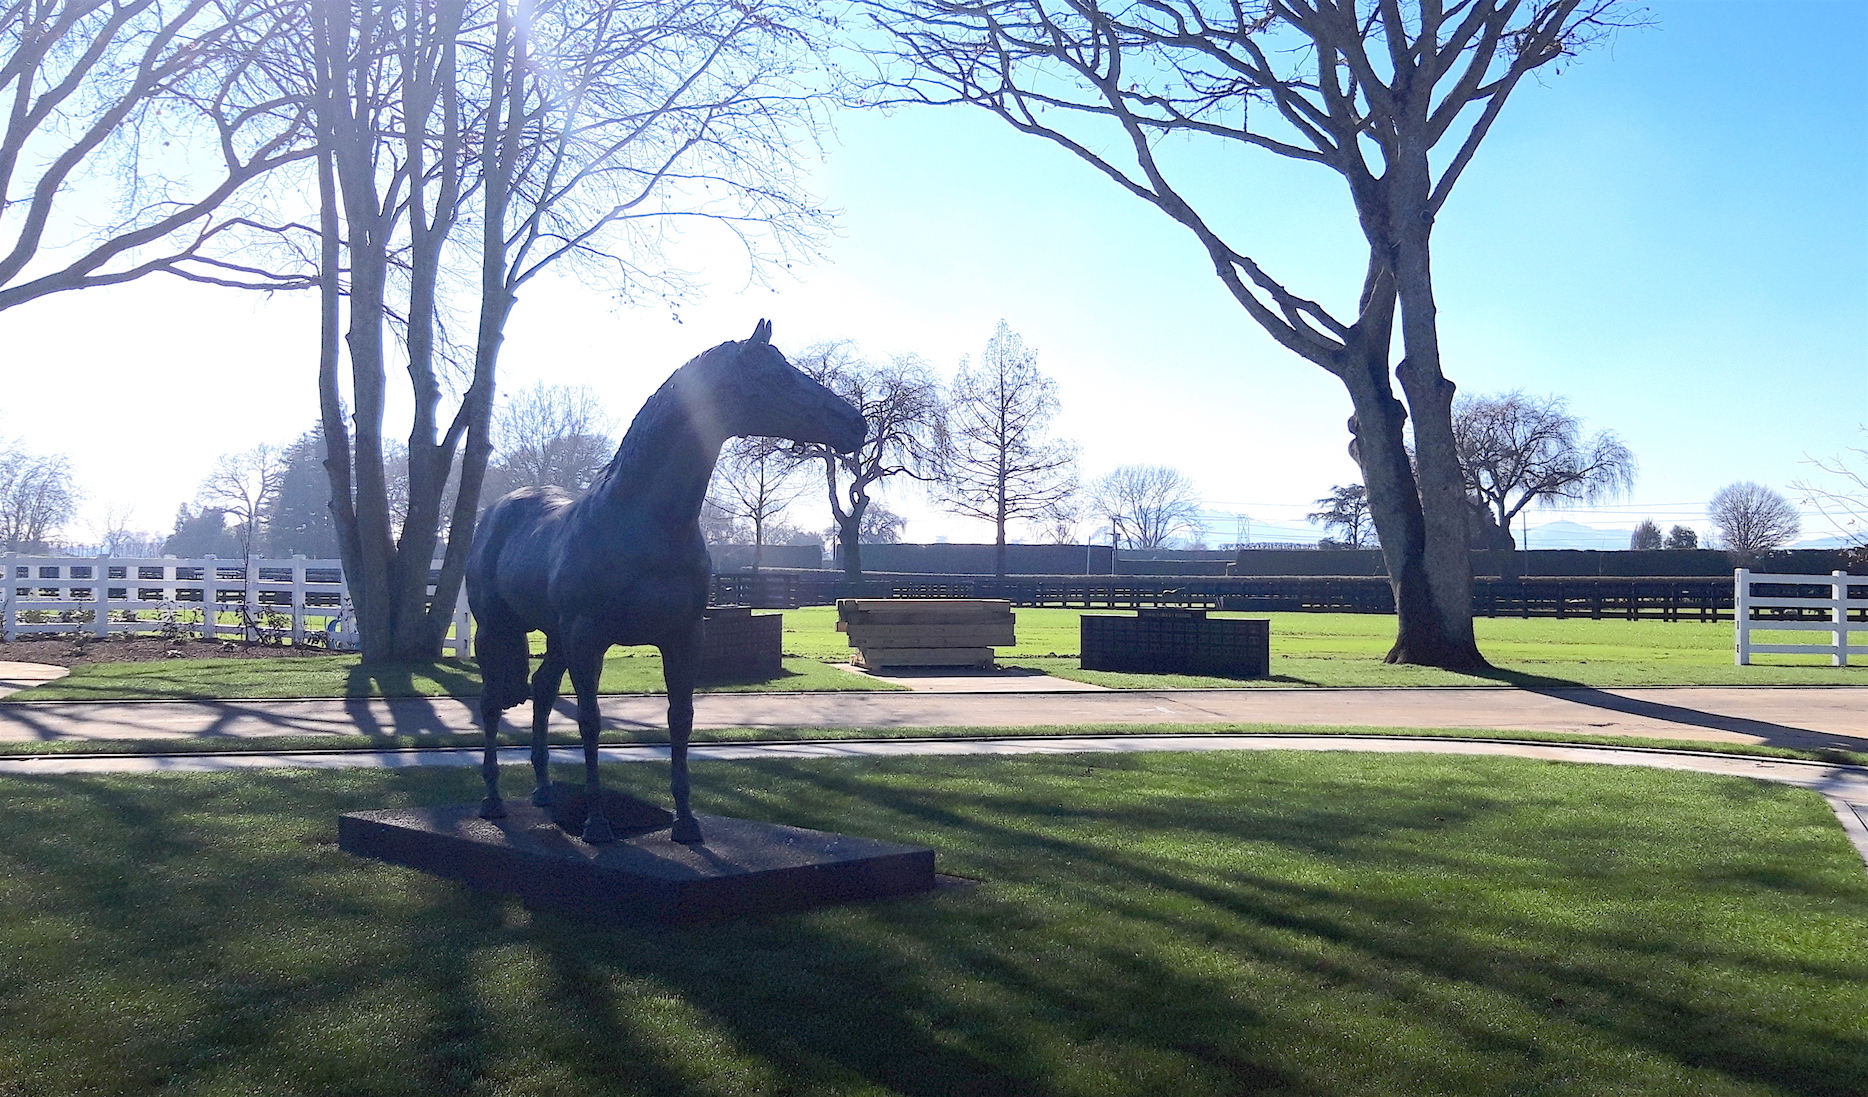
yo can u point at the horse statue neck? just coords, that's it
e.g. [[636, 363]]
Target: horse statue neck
[[663, 465]]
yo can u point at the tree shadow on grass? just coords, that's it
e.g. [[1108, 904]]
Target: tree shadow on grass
[[1202, 928], [1624, 981]]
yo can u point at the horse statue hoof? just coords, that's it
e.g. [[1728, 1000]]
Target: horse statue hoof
[[687, 831], [597, 830], [492, 808], [541, 796]]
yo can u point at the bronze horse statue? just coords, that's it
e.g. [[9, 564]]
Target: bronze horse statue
[[625, 563]]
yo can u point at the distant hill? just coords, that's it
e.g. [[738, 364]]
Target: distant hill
[[1831, 542], [1575, 535]]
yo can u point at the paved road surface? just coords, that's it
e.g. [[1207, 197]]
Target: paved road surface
[[1807, 717]]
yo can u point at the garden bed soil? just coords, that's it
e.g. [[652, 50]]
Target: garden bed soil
[[61, 651]]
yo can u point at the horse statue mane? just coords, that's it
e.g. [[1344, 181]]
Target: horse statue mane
[[625, 563]]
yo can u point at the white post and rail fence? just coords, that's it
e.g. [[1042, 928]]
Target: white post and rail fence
[[1821, 603], [306, 601], [300, 599]]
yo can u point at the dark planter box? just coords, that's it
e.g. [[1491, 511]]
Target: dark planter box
[[737, 646], [1176, 641]]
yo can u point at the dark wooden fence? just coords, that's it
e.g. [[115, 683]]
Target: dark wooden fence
[[1688, 598]]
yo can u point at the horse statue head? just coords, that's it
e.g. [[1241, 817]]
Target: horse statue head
[[748, 388]]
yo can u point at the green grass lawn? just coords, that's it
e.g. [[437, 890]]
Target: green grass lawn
[[1308, 649], [1346, 649], [1146, 924]]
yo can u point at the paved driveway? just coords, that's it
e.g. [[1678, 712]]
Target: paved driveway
[[1807, 717]]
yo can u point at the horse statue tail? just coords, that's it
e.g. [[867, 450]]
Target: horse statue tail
[[499, 642]]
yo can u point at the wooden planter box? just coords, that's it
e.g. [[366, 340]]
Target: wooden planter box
[[1176, 641], [738, 647], [925, 632]]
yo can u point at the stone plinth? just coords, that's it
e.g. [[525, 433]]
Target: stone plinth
[[744, 867]]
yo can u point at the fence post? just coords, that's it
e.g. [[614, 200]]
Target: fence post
[[249, 630], [463, 626], [1741, 615], [100, 571], [210, 604], [7, 608], [1839, 614], [298, 599]]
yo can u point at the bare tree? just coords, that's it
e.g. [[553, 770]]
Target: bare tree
[[507, 138], [754, 481], [549, 435], [1148, 506], [1059, 523], [998, 465], [1395, 98], [1842, 500], [121, 154], [37, 496], [719, 527], [1646, 537], [1515, 450], [881, 526], [244, 486], [906, 414], [1346, 509], [1751, 520], [119, 537]]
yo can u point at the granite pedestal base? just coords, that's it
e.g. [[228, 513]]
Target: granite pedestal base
[[744, 867]]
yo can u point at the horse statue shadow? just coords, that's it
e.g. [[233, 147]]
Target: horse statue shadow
[[625, 563]]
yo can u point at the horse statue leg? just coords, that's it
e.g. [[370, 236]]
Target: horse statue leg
[[492, 807], [545, 685], [680, 668], [585, 658]]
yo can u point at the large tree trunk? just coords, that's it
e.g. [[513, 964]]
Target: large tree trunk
[[850, 541], [1446, 561], [1430, 630], [998, 544], [849, 521], [1422, 634]]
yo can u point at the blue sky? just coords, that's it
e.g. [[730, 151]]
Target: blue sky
[[1672, 233]]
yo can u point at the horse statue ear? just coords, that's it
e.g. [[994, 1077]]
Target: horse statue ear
[[761, 334]]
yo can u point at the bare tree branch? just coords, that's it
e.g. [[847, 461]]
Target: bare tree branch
[[97, 89], [1369, 91]]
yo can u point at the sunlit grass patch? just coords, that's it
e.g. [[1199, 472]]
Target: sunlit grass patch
[[1307, 649], [1187, 924]]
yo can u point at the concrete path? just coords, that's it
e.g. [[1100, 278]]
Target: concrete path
[[1844, 787], [17, 676], [965, 680], [1805, 717]]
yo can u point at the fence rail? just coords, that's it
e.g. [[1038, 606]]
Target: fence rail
[[300, 599], [1836, 603], [1685, 598], [306, 600]]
